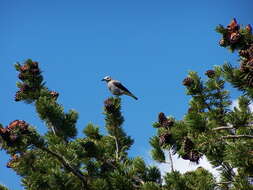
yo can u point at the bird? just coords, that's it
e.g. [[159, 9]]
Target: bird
[[117, 88]]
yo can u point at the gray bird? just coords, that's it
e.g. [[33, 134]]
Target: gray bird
[[117, 88]]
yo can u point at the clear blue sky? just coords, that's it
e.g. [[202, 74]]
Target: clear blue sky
[[148, 45]]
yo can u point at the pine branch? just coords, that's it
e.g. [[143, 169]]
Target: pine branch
[[67, 165], [237, 136]]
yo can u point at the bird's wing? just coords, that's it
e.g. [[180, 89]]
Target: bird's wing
[[120, 86]]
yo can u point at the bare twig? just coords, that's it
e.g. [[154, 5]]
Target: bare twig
[[222, 128], [52, 127], [171, 162], [237, 136], [224, 182], [117, 147], [227, 183]]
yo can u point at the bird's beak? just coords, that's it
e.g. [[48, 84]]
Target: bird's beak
[[103, 80]]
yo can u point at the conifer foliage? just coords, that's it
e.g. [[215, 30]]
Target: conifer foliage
[[60, 160], [211, 127]]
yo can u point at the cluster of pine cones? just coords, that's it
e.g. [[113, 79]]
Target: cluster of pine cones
[[232, 34], [247, 64], [165, 138], [12, 132], [30, 74]]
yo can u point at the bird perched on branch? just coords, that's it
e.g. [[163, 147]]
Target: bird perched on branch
[[117, 88]]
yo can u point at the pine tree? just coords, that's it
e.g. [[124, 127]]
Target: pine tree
[[210, 127], [60, 160]]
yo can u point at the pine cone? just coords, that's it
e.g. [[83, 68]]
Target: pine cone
[[188, 81], [21, 124], [13, 124], [234, 37], [250, 64], [17, 96], [250, 50], [233, 26], [15, 157], [222, 42], [9, 164], [21, 76], [109, 107], [165, 139], [249, 28], [34, 65], [54, 94], [13, 137], [169, 123], [5, 133], [186, 156], [88, 145], [108, 165], [35, 71], [25, 87], [194, 156], [210, 73], [24, 68], [244, 53], [191, 110], [187, 145]]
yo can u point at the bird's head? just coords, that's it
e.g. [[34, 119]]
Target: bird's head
[[107, 79]]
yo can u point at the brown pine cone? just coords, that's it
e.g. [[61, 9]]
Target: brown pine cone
[[24, 68], [188, 81], [165, 139], [35, 65], [244, 53], [9, 164], [234, 37], [21, 76], [25, 87], [194, 156], [187, 145], [210, 73], [109, 107], [18, 124], [222, 42], [54, 94], [162, 118], [35, 71], [249, 28], [233, 26], [17, 96]]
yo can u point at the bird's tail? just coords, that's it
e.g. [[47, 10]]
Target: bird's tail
[[133, 96]]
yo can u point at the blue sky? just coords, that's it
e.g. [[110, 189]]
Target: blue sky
[[148, 45]]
